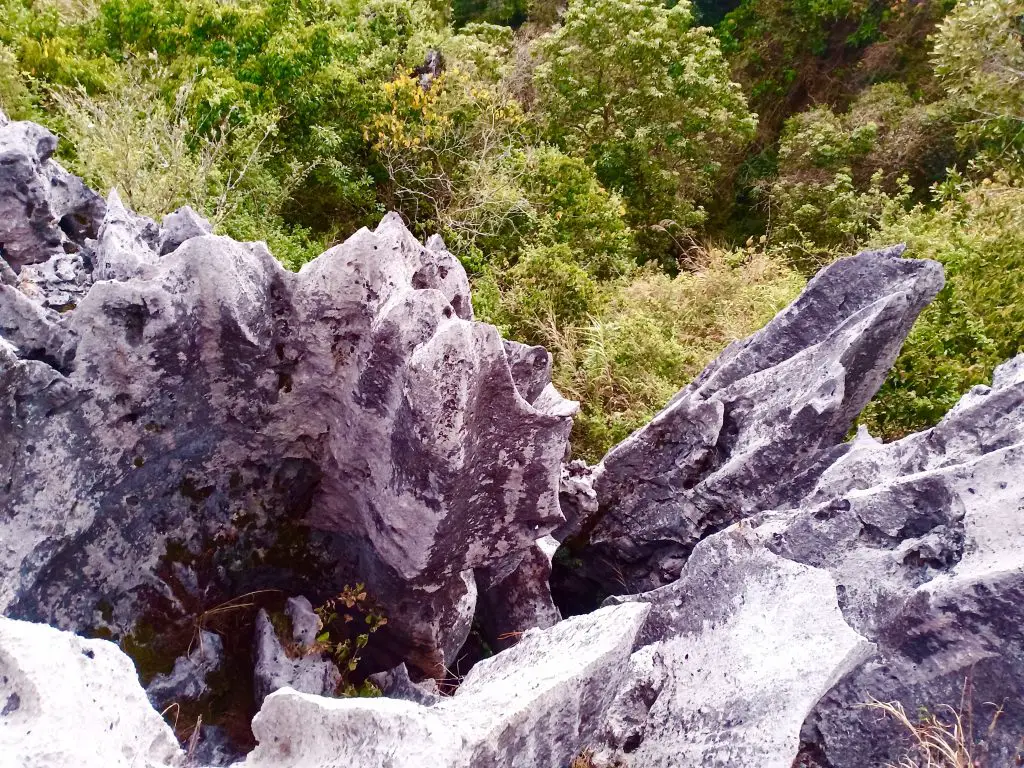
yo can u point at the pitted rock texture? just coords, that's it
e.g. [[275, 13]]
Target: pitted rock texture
[[925, 537], [732, 658], [754, 430], [521, 600], [67, 701], [204, 423], [44, 210], [535, 705]]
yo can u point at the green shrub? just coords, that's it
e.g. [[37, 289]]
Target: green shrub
[[645, 98], [131, 140], [652, 334], [544, 293], [815, 222], [15, 97], [842, 176], [976, 322]]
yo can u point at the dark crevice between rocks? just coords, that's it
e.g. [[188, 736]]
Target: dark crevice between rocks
[[41, 355]]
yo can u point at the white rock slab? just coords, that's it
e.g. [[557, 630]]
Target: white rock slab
[[66, 701]]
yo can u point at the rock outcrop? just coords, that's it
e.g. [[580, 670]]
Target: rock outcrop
[[69, 701], [204, 423], [187, 681], [45, 212], [189, 432], [731, 660], [533, 706], [292, 662], [754, 430], [922, 538]]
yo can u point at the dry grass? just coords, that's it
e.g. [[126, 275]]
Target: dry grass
[[946, 741], [585, 759], [132, 140]]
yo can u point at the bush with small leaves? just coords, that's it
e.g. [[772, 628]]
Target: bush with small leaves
[[976, 322]]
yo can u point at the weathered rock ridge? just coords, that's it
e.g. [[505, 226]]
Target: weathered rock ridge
[[203, 420], [189, 432], [754, 430]]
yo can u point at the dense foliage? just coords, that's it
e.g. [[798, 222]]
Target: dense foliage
[[598, 166]]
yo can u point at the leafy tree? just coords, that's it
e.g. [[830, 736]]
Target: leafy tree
[[979, 60], [977, 321], [632, 87]]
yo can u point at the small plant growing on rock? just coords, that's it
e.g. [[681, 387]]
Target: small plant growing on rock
[[348, 620]]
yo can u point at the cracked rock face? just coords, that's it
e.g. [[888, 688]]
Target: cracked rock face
[[732, 658], [45, 212], [757, 426], [204, 423], [533, 706], [899, 578], [65, 700]]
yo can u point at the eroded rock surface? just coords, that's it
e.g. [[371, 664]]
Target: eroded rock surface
[[535, 705], [754, 430], [292, 662], [187, 428], [732, 658], [203, 423], [68, 701], [44, 210], [187, 681], [925, 537]]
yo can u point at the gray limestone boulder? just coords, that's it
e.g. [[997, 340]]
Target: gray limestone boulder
[[925, 538], [396, 684], [44, 210], [290, 662], [916, 545], [187, 680], [731, 660], [535, 705], [509, 604], [754, 430], [202, 424], [65, 701]]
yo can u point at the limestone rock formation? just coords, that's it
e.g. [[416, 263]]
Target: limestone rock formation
[[292, 662], [396, 684], [923, 540], [924, 536], [69, 701], [533, 706], [754, 430], [204, 423], [731, 660], [45, 212], [187, 681], [188, 431]]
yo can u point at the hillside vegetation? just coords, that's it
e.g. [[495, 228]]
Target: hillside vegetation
[[631, 184]]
